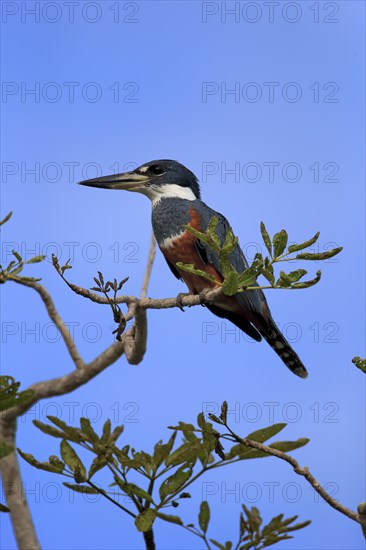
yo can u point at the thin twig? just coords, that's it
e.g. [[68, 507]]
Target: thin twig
[[135, 349], [302, 471], [105, 495], [149, 266], [208, 295], [149, 539], [55, 317]]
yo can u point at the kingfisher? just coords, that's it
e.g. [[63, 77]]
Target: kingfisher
[[176, 201]]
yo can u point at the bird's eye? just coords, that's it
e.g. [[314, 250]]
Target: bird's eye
[[157, 170]]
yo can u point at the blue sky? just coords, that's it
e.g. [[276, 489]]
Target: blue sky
[[278, 98]]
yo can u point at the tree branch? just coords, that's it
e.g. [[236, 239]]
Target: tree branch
[[302, 471], [136, 349], [55, 317], [14, 492], [133, 344], [136, 338], [149, 265], [149, 540], [186, 300], [71, 381]]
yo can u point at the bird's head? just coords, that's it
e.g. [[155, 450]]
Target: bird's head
[[156, 179]]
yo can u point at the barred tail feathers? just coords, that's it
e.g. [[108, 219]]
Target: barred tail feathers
[[283, 349]]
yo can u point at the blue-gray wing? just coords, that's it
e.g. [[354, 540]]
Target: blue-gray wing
[[251, 299]]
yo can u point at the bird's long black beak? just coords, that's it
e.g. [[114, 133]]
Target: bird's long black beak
[[130, 181]]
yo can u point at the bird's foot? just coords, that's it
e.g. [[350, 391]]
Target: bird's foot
[[204, 300], [180, 297]]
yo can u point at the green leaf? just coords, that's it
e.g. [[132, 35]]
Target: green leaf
[[283, 280], [319, 256], [231, 284], [260, 436], [253, 517], [101, 278], [4, 508], [286, 446], [9, 393], [17, 270], [223, 414], [82, 488], [191, 269], [273, 525], [11, 264], [297, 247], [218, 545], [279, 243], [297, 526], [264, 434], [198, 234], [145, 520], [214, 418], [106, 432], [360, 363], [6, 219], [204, 516], [18, 256], [72, 433], [88, 430], [175, 481], [268, 273], [161, 452], [143, 459], [296, 275], [56, 462], [285, 521], [133, 490], [248, 277], [12, 399], [170, 518], [201, 421], [42, 465], [35, 260], [188, 452], [8, 386], [66, 266], [98, 463], [118, 430], [183, 426], [123, 458], [266, 238], [243, 527], [211, 231], [72, 460], [231, 242], [258, 262], [219, 450], [307, 284], [47, 429]]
